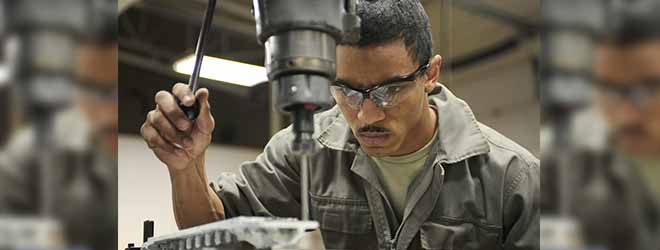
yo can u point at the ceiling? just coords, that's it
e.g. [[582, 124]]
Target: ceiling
[[458, 30]]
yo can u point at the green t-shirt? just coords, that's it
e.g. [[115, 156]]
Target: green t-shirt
[[649, 169], [397, 172]]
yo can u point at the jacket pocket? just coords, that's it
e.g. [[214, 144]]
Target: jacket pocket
[[345, 224], [457, 234]]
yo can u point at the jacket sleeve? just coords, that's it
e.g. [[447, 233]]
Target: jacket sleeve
[[267, 186], [521, 204]]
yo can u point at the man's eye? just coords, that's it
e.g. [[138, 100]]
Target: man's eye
[[385, 92], [350, 92], [394, 89], [651, 85], [391, 90]]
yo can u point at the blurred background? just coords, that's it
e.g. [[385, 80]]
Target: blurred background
[[58, 124], [594, 71], [600, 135], [490, 52]]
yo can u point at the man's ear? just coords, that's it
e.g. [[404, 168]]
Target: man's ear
[[432, 73]]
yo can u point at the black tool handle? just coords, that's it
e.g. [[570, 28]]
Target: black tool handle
[[190, 112], [193, 112]]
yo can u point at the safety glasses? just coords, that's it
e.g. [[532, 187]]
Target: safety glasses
[[384, 95], [640, 93]]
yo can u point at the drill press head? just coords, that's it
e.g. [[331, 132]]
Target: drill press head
[[300, 37]]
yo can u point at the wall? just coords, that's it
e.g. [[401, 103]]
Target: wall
[[144, 186]]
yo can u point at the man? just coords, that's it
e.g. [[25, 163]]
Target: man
[[407, 168], [84, 169], [615, 163]]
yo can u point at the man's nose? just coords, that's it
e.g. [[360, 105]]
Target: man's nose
[[628, 113], [370, 113]]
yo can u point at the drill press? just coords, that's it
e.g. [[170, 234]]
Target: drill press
[[300, 37]]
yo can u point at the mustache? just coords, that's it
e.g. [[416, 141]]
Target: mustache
[[106, 130], [371, 128], [632, 130]]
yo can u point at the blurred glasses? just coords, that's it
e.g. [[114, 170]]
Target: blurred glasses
[[640, 93], [384, 95], [99, 92]]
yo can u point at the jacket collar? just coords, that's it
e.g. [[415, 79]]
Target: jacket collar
[[458, 137]]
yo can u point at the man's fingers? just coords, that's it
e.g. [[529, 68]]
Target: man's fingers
[[205, 122], [183, 93], [166, 103], [154, 140], [164, 127]]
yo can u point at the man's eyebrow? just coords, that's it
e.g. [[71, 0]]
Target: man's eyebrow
[[353, 85]]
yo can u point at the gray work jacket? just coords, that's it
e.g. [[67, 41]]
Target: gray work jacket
[[477, 190]]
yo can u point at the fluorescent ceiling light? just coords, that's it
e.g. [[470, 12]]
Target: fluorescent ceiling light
[[223, 70], [5, 74], [8, 62]]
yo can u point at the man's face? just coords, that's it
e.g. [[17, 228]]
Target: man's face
[[635, 124], [97, 73], [391, 130]]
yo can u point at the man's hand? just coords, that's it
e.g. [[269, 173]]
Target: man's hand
[[180, 144], [175, 140]]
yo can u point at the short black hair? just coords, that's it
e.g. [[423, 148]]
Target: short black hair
[[102, 23], [634, 22], [384, 21]]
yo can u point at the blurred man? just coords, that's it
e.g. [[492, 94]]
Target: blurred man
[[84, 169], [627, 76], [403, 164], [628, 96], [615, 167]]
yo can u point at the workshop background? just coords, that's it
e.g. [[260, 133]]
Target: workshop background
[[490, 53]]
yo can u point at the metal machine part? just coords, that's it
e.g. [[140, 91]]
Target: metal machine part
[[571, 29], [560, 233], [300, 37], [48, 33], [243, 233], [30, 233], [568, 43], [568, 39]]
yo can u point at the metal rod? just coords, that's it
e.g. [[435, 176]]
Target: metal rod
[[201, 43], [564, 164], [304, 186], [44, 138]]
